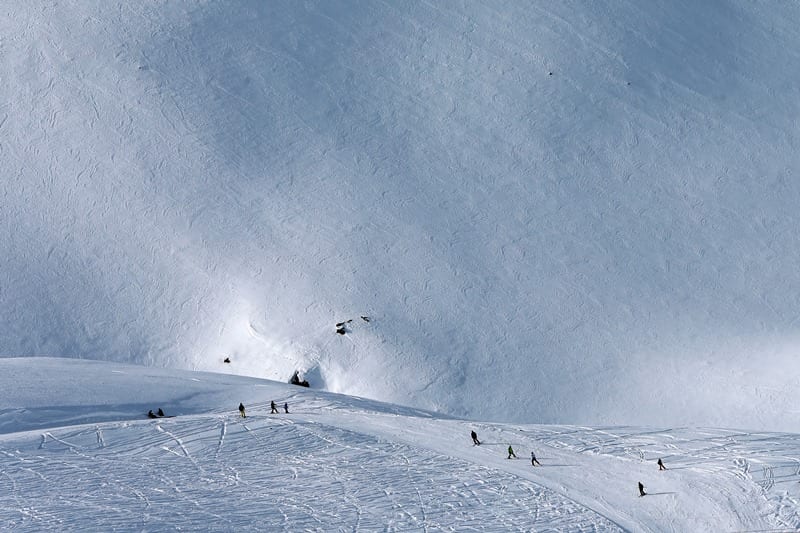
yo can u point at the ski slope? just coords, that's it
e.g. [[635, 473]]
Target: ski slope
[[78, 453], [588, 209]]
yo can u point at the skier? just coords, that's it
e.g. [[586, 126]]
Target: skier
[[475, 440], [511, 452], [241, 411], [160, 412], [150, 414], [661, 465], [286, 407], [534, 461], [274, 409], [641, 489]]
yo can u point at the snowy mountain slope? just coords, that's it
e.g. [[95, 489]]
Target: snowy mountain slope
[[342, 463], [581, 212]]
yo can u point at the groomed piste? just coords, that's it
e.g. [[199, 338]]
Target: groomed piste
[[78, 452]]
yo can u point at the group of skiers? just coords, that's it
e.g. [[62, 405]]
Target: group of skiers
[[273, 407], [661, 466], [511, 454], [160, 414], [534, 461]]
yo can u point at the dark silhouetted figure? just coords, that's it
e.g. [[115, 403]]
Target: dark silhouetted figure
[[295, 380], [286, 408], [274, 409], [475, 441], [511, 453], [160, 412], [241, 411], [534, 461], [661, 465], [641, 489], [150, 414], [226, 360]]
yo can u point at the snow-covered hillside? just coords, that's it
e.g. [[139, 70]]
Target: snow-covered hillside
[[562, 212], [78, 453]]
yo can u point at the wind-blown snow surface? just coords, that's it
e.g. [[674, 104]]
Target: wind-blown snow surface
[[77, 453], [573, 212]]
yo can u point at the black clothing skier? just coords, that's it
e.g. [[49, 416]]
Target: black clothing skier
[[241, 411], [661, 465], [150, 414], [286, 407], [534, 461], [511, 453], [274, 409], [475, 440], [160, 412], [641, 489]]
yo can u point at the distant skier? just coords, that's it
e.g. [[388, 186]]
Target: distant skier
[[150, 414], [160, 412], [661, 465], [534, 461], [241, 411], [274, 409], [286, 407], [641, 489], [511, 453], [475, 441]]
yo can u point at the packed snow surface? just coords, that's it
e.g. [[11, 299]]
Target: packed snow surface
[[78, 453], [553, 212]]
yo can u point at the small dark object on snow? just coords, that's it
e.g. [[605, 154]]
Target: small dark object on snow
[[511, 453], [241, 411], [661, 465], [160, 412], [286, 408], [150, 414], [341, 324], [475, 440], [534, 460], [341, 330], [274, 409], [549, 73], [295, 380], [641, 489], [226, 360], [365, 318]]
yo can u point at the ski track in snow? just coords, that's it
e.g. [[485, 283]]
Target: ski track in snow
[[352, 464], [363, 471]]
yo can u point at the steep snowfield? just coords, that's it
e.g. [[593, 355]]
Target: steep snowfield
[[81, 455], [556, 212]]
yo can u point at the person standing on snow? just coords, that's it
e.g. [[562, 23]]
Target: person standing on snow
[[241, 411], [641, 490], [286, 407], [475, 440], [274, 409], [534, 461], [661, 465], [511, 452]]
